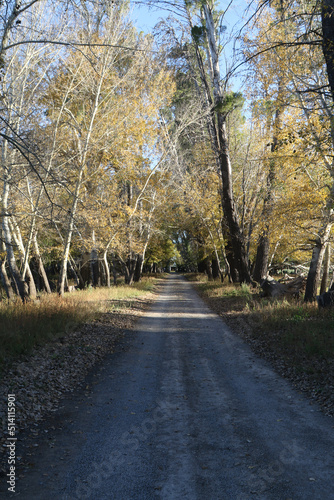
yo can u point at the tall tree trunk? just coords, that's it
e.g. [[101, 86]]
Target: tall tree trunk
[[6, 281], [94, 265], [69, 232], [231, 227], [215, 269], [41, 268], [19, 285], [208, 268], [327, 19], [77, 274], [106, 268], [130, 268], [114, 269], [139, 268], [326, 266], [262, 257], [313, 277], [141, 259], [28, 276], [262, 253]]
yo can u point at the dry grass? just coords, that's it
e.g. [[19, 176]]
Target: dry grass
[[23, 326]]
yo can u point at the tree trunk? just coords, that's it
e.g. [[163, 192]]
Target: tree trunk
[[140, 260], [233, 273], [13, 269], [5, 281], [314, 273], [129, 268], [231, 227], [132, 263], [69, 232], [262, 254], [94, 264], [13, 11], [313, 277], [114, 269], [139, 268], [274, 289], [83, 148], [208, 269], [19, 243], [41, 269], [106, 268], [325, 275], [77, 274], [94, 268], [215, 269], [327, 19], [262, 257]]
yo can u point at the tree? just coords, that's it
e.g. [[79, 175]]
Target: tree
[[108, 134], [293, 42], [327, 22], [202, 55], [22, 76], [220, 106]]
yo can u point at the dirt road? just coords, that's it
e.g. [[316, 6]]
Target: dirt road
[[183, 411]]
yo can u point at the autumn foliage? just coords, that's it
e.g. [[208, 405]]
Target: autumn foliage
[[122, 153]]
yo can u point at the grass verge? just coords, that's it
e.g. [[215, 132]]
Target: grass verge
[[24, 326]]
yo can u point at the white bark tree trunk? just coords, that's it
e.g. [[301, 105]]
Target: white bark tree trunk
[[14, 271], [238, 256], [15, 230], [41, 268], [313, 278], [106, 267]]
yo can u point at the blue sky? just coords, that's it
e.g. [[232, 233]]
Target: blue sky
[[145, 19]]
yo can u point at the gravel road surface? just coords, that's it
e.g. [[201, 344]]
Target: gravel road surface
[[181, 411]]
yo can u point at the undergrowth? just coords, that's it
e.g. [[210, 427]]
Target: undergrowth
[[303, 330], [23, 326]]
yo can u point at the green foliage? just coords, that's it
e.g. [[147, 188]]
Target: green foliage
[[230, 102], [188, 251], [198, 34], [161, 251]]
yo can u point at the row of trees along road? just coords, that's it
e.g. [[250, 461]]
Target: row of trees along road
[[121, 150]]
